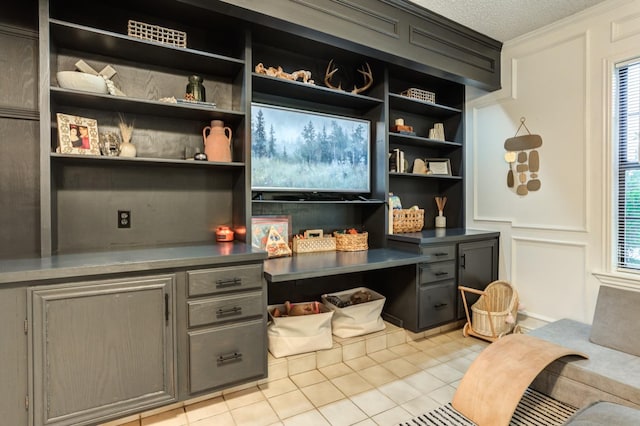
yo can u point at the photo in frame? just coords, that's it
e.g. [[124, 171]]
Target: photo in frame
[[261, 225], [77, 135], [439, 166]]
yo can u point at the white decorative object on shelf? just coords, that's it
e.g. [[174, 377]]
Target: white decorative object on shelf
[[127, 149], [82, 81]]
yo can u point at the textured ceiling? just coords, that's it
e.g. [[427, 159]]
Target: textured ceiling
[[504, 20]]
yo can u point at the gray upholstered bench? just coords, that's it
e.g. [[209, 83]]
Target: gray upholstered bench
[[612, 342], [605, 413]]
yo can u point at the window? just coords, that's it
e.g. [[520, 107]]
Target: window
[[628, 131]]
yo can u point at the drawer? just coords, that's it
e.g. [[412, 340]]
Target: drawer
[[230, 278], [437, 303], [227, 355], [430, 272], [439, 253], [226, 308]]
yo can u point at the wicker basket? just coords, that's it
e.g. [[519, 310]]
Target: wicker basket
[[312, 245], [498, 303], [407, 220], [352, 242], [157, 34], [420, 94]]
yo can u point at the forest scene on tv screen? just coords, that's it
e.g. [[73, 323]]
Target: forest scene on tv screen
[[294, 150]]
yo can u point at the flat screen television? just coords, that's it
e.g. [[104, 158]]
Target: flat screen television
[[295, 150]]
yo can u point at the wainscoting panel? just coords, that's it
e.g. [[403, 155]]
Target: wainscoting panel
[[550, 277]]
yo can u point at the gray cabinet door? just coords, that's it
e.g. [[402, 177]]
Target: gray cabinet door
[[477, 267], [101, 348]]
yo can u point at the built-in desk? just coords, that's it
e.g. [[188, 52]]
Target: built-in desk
[[313, 265], [305, 277]]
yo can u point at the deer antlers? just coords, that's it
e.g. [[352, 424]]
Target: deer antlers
[[365, 71]]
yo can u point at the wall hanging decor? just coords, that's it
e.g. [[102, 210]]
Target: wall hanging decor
[[365, 70], [523, 155]]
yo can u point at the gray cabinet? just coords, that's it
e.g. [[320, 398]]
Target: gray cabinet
[[13, 356], [101, 348], [431, 298], [477, 267], [226, 340], [437, 286]]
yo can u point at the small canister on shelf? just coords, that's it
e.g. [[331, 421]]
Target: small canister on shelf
[[195, 90], [224, 234]]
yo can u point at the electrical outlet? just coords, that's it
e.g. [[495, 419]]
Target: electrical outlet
[[124, 218]]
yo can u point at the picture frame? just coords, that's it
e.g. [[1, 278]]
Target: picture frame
[[260, 226], [439, 166], [77, 135]]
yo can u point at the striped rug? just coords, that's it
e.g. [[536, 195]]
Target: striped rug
[[534, 409]]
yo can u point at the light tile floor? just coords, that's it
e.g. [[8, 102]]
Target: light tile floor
[[380, 379]]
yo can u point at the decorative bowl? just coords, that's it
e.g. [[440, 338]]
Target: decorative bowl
[[82, 81]]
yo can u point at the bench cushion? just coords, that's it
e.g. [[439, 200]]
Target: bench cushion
[[616, 319], [613, 372]]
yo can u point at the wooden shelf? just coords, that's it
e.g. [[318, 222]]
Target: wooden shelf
[[142, 106], [143, 160], [77, 37], [420, 176], [421, 107], [420, 141], [263, 84], [303, 201]]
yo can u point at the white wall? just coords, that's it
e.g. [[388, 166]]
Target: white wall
[[555, 241]]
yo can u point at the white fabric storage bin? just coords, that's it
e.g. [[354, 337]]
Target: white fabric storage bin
[[299, 334], [356, 320]]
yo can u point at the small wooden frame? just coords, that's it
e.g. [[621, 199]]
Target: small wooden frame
[[77, 135], [439, 166]]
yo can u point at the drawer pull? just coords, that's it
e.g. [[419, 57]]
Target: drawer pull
[[229, 358], [231, 282], [439, 274], [231, 311], [440, 305], [441, 254]]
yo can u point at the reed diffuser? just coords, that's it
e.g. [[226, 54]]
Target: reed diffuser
[[441, 221]]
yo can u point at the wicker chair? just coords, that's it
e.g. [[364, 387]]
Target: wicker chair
[[494, 313]]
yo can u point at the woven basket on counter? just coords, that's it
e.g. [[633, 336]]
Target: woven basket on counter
[[312, 245], [407, 220], [351, 242]]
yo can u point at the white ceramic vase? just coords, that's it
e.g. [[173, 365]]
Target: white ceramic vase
[[127, 149]]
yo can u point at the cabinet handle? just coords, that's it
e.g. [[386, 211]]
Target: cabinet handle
[[231, 282], [236, 356], [440, 305], [439, 274], [231, 311], [440, 254], [166, 307], [462, 260]]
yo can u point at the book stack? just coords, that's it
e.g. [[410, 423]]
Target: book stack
[[402, 128], [397, 162]]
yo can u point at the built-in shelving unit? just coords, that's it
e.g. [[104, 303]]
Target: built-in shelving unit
[[161, 186]]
